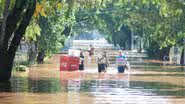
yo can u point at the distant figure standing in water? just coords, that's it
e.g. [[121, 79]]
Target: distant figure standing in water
[[121, 62], [91, 52], [81, 64], [165, 59], [103, 62]]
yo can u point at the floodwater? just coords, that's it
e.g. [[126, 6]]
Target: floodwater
[[145, 83]]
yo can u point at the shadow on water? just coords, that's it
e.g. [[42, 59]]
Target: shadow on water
[[5, 86], [23, 84]]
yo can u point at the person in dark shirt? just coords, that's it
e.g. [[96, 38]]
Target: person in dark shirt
[[91, 53], [81, 64]]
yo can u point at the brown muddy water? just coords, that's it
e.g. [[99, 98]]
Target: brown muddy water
[[145, 83]]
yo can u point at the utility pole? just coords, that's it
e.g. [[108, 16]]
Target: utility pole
[[132, 39]]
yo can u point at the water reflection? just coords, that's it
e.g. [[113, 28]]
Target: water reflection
[[5, 86], [103, 90], [22, 84]]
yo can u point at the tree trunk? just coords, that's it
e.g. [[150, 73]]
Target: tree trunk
[[12, 20], [40, 57], [182, 57], [5, 66], [32, 52], [3, 26], [140, 45], [67, 31], [7, 57], [163, 52]]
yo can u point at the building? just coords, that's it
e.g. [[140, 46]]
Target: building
[[86, 39]]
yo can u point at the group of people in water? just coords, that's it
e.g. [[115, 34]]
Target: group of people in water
[[103, 61]]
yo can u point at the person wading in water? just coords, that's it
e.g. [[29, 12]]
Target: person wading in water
[[121, 62], [103, 62], [81, 64]]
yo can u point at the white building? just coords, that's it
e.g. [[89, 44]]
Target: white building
[[86, 39]]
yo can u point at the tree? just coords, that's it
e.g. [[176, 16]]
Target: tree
[[36, 35], [16, 24]]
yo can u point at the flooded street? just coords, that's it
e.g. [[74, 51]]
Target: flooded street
[[53, 51], [145, 83]]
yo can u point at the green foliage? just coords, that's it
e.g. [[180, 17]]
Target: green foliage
[[47, 26], [159, 22], [51, 39], [32, 31], [2, 5]]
